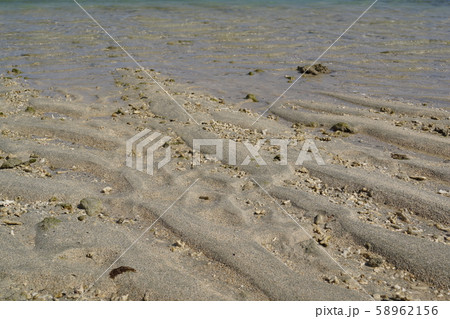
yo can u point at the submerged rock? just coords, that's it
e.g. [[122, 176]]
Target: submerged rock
[[49, 222], [11, 163], [92, 206]]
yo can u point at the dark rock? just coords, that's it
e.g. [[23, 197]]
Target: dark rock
[[386, 110], [399, 156], [314, 69], [442, 131], [15, 71], [120, 270], [342, 127], [374, 261], [65, 206], [251, 97]]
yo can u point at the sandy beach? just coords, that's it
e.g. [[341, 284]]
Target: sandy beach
[[76, 223]]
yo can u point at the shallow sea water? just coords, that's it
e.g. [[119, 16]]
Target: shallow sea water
[[399, 50]]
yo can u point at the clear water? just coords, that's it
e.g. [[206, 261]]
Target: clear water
[[399, 50]]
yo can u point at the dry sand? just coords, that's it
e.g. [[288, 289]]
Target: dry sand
[[372, 225]]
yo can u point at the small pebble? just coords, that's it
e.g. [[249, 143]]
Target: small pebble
[[6, 203], [442, 227], [377, 296], [12, 223], [399, 156], [319, 219], [286, 202], [259, 212], [374, 261], [106, 190], [413, 231], [177, 245], [418, 178], [325, 241]]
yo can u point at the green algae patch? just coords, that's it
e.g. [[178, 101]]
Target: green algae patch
[[49, 223], [251, 97]]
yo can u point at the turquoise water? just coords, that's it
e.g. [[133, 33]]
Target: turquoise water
[[399, 50]]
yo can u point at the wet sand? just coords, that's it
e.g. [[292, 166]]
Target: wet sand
[[371, 223]]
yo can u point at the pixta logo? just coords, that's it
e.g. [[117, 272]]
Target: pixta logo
[[140, 151], [308, 151], [141, 148]]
